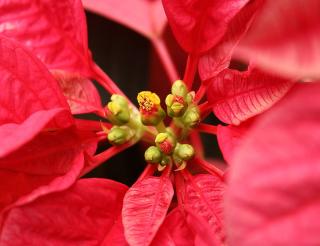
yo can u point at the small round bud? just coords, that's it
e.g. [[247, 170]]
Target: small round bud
[[117, 110], [153, 155], [179, 88], [119, 135], [183, 152], [176, 105], [165, 142], [192, 117]]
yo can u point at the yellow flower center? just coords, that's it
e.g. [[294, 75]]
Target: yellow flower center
[[148, 100]]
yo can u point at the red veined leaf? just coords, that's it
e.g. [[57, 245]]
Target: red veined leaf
[[13, 136], [144, 16], [54, 31], [27, 86], [144, 209], [274, 187], [203, 197], [82, 96], [230, 138], [174, 231], [182, 228], [236, 96], [198, 25], [53, 159], [85, 214], [284, 38], [219, 56]]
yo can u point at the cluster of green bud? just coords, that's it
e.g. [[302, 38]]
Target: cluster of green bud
[[123, 117], [167, 148], [180, 105]]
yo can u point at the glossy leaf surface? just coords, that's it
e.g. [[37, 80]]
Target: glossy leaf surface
[[144, 209], [85, 214], [200, 24], [236, 96], [285, 38], [273, 195], [54, 31]]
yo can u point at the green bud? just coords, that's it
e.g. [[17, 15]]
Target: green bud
[[191, 118], [153, 155], [119, 135], [165, 161], [179, 88], [190, 97], [183, 152], [176, 105], [117, 110], [165, 142]]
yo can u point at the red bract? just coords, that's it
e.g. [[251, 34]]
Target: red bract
[[145, 207], [236, 96], [274, 179], [285, 38], [85, 214], [82, 96], [55, 32], [212, 62], [144, 16], [41, 150], [199, 25]]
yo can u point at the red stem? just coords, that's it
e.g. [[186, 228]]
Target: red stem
[[105, 155], [165, 58], [191, 69], [207, 128], [149, 170], [105, 81], [200, 93], [205, 109], [209, 167]]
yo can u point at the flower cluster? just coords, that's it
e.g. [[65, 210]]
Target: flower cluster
[[269, 133]]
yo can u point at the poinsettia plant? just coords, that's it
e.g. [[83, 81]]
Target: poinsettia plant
[[269, 133]]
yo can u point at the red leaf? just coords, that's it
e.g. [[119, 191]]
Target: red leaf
[[13, 136], [144, 16], [80, 92], [54, 31], [230, 138], [27, 86], [145, 207], [218, 58], [236, 96], [183, 229], [51, 161], [198, 25], [85, 214], [203, 196], [285, 38], [274, 187], [174, 231]]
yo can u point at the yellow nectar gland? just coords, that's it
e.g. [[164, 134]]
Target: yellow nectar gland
[[148, 101]]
